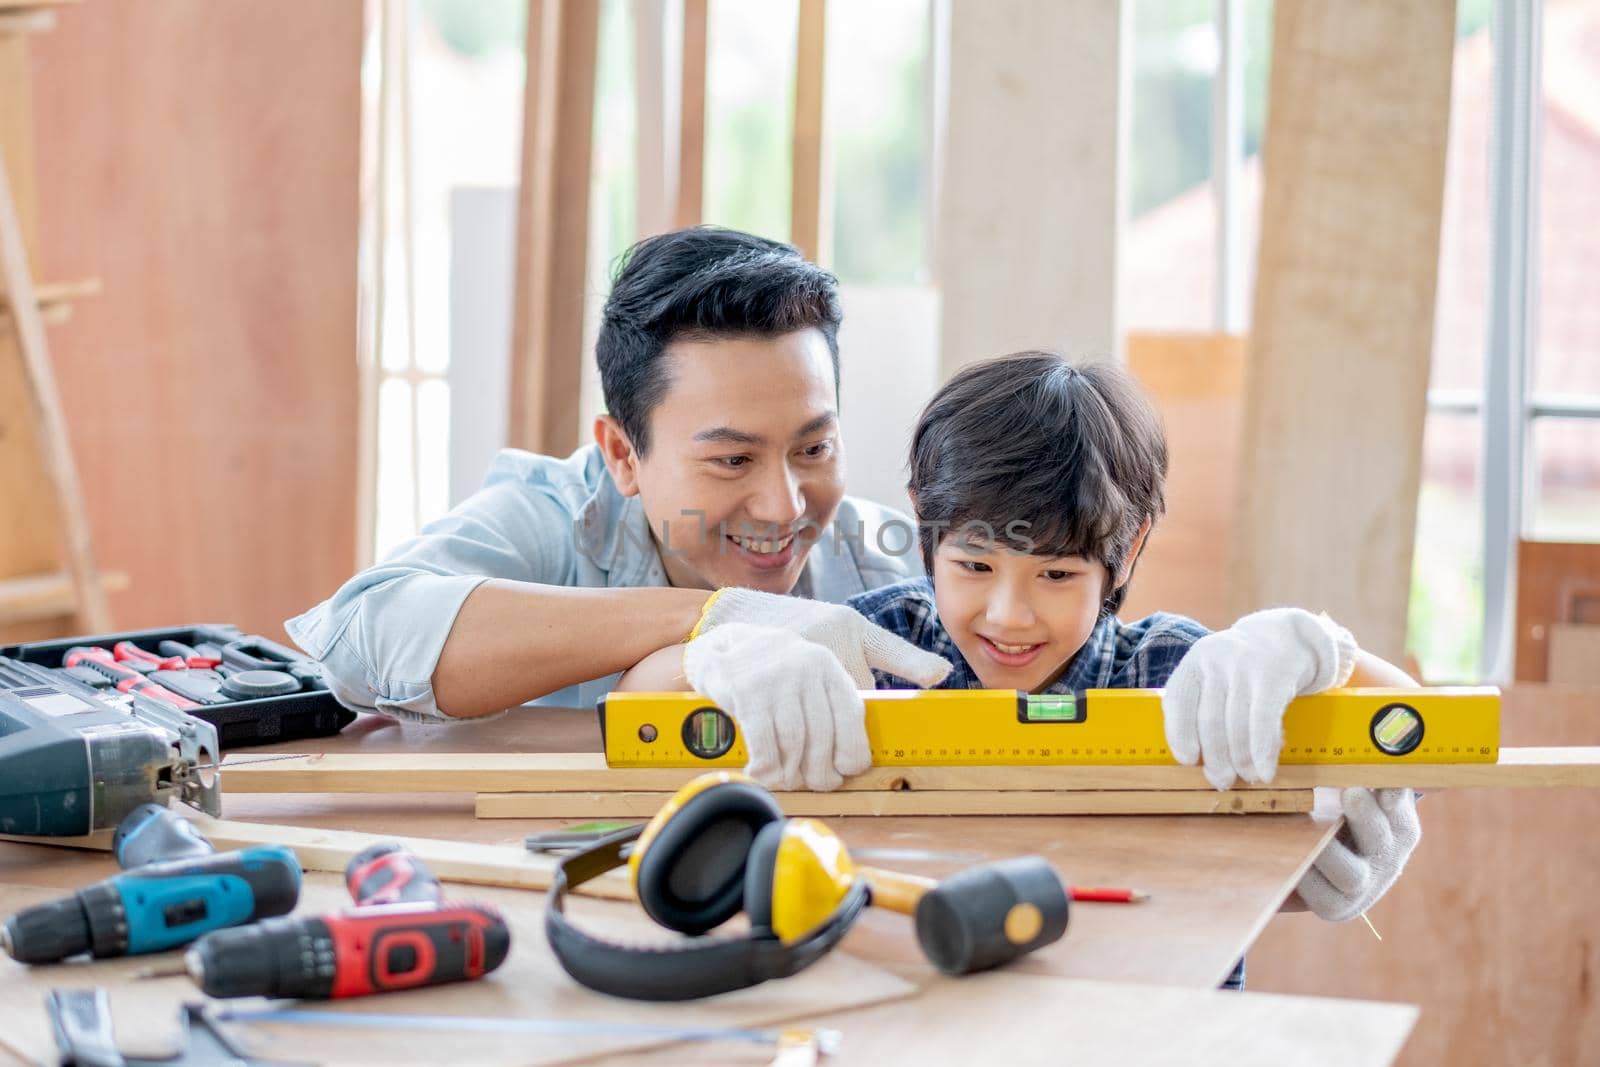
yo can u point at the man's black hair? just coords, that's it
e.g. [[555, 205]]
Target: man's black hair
[[702, 284], [1044, 457]]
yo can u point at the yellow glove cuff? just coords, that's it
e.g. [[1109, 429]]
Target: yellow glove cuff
[[705, 610]]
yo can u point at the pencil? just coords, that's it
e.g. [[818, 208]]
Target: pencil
[[1108, 895]]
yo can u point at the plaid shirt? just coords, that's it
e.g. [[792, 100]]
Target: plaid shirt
[[1117, 655]]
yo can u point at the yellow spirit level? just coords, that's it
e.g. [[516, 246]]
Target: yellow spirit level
[[945, 727]]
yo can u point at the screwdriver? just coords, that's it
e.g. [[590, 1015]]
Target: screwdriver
[[412, 938], [125, 678], [191, 657], [130, 653]]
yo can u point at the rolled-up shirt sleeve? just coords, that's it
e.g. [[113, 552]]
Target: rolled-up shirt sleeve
[[379, 636]]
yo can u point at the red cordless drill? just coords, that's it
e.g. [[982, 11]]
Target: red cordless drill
[[400, 935]]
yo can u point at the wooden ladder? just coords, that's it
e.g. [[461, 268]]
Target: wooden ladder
[[79, 590]]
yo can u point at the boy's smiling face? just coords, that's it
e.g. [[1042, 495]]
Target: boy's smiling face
[[1018, 619]]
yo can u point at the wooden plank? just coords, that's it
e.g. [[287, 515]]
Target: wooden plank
[[1028, 213], [231, 293], [1197, 383], [47, 596], [330, 850], [553, 225], [91, 610], [692, 117], [613, 804], [1343, 332], [808, 218], [1492, 928], [583, 772], [1557, 582]]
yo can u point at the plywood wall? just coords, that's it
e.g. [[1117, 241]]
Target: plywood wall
[[1492, 928], [202, 160]]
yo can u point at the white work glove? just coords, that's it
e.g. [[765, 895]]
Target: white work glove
[[799, 714], [857, 644], [1380, 832], [1227, 697]]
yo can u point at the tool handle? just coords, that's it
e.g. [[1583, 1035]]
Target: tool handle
[[210, 650], [386, 873], [237, 654], [100, 660], [128, 652], [143, 685], [157, 906], [191, 657], [266, 646], [152, 833], [81, 1021], [170, 904], [896, 891], [202, 685], [437, 944]]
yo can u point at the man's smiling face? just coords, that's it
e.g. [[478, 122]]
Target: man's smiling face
[[745, 468]]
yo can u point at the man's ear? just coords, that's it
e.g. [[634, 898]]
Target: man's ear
[[1133, 553], [618, 452]]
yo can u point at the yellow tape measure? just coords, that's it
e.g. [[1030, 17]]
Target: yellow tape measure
[[949, 727]]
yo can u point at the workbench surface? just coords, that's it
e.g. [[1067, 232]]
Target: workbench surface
[[1215, 883]]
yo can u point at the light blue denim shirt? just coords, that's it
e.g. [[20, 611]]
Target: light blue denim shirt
[[551, 521]]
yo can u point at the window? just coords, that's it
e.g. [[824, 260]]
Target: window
[[1563, 494], [1198, 111], [444, 101], [1445, 628], [1518, 247]]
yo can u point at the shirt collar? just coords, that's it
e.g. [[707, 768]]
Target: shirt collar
[[1091, 667], [614, 535]]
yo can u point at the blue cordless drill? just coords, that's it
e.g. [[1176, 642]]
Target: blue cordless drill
[[174, 887]]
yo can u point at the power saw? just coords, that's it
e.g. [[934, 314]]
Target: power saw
[[72, 761]]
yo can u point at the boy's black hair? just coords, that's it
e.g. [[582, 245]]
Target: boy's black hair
[[1054, 459], [699, 284]]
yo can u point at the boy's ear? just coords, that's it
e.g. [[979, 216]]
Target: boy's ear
[[618, 452], [1133, 553]]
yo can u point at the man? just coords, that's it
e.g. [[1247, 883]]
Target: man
[[719, 464]]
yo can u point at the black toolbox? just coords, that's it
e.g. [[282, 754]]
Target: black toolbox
[[311, 711]]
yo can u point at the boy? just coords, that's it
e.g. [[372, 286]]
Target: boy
[[1035, 484]]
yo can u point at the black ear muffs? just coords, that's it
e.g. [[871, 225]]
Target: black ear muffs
[[758, 878], [712, 849], [703, 967], [691, 872]]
